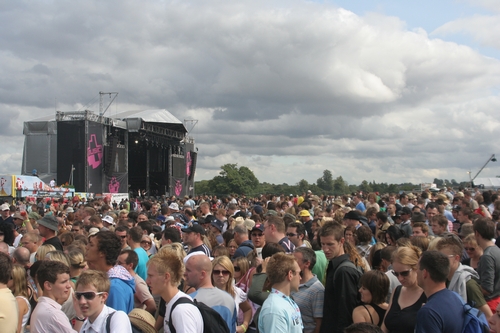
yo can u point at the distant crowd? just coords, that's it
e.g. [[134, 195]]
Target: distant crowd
[[364, 262]]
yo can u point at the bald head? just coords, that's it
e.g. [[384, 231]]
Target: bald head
[[21, 256], [199, 272], [4, 247], [201, 263]]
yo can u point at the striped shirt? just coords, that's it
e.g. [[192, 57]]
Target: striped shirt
[[309, 298]]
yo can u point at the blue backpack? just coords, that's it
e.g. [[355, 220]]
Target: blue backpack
[[474, 320]]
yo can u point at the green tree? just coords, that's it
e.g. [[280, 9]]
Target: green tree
[[303, 186], [234, 180], [326, 182], [365, 187], [202, 186], [340, 186]]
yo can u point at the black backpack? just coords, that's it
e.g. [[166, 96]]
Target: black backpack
[[212, 320]]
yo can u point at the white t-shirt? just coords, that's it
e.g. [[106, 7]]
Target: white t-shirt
[[239, 297], [120, 323], [17, 240], [186, 318]]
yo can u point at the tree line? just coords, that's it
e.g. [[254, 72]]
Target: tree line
[[241, 180]]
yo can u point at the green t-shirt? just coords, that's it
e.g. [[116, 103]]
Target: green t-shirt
[[474, 293], [319, 268]]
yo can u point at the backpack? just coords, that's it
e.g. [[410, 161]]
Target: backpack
[[108, 325], [474, 320], [212, 320]]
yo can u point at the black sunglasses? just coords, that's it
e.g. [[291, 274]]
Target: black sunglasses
[[219, 272], [89, 295], [403, 273], [237, 268]]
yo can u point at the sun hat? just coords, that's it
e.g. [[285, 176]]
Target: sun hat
[[142, 320]]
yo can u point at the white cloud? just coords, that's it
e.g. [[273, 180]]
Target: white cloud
[[483, 28], [286, 88]]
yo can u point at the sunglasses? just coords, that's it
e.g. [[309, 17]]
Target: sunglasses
[[403, 273], [219, 272], [237, 268], [257, 235], [291, 234], [146, 242], [89, 295], [471, 249]]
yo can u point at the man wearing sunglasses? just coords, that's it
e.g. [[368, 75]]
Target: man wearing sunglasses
[[92, 290]]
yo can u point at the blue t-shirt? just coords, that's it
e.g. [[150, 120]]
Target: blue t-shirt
[[141, 268], [220, 301], [443, 313], [361, 206]]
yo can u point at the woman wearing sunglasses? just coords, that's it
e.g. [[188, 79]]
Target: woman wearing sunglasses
[[146, 244], [223, 278], [473, 250], [407, 298]]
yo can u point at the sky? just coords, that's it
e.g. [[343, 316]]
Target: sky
[[390, 91]]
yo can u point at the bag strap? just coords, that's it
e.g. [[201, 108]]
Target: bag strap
[[343, 264], [108, 322], [181, 300], [371, 318]]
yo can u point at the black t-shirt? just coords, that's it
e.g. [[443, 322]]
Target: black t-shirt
[[56, 242]]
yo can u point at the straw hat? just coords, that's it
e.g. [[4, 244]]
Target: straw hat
[[143, 320]]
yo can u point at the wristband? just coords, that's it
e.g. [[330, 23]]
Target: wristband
[[244, 328]]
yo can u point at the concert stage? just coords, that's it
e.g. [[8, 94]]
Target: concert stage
[[146, 151]]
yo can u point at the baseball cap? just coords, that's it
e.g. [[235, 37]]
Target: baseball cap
[[195, 228], [259, 226], [108, 219], [218, 224]]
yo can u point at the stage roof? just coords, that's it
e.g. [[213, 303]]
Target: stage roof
[[158, 116], [487, 182]]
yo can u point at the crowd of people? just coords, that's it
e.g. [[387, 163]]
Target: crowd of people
[[365, 262]]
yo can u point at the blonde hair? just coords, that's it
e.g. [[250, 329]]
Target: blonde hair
[[20, 287], [58, 256], [168, 261], [174, 247], [97, 279], [43, 250], [407, 255], [228, 265], [433, 243], [471, 239], [76, 259], [243, 264]]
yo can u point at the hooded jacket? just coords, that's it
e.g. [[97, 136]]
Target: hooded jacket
[[244, 249], [463, 274], [121, 292]]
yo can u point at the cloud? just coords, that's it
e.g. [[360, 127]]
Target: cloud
[[288, 89], [482, 28]]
